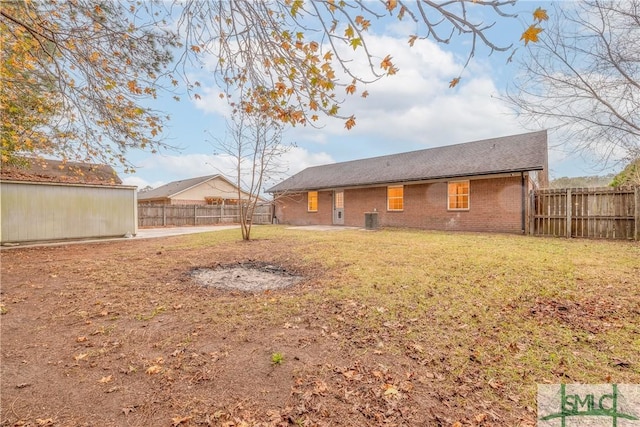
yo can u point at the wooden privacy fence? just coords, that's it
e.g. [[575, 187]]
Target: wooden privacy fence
[[179, 215], [608, 213]]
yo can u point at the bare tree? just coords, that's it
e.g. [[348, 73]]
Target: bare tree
[[254, 142], [583, 78]]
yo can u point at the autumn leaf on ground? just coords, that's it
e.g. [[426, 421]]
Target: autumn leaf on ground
[[176, 421], [495, 384], [531, 35], [105, 380], [155, 369], [320, 387], [44, 422], [406, 386], [349, 374], [417, 347], [453, 83], [80, 356], [540, 15], [390, 390]]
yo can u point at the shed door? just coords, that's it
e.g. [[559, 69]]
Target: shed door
[[338, 207]]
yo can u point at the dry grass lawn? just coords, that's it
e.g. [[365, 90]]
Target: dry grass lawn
[[394, 327]]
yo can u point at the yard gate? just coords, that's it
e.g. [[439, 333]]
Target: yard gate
[[608, 213]]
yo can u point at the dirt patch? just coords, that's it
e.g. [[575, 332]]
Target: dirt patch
[[246, 277]]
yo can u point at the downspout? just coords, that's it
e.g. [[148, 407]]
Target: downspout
[[524, 203], [273, 208]]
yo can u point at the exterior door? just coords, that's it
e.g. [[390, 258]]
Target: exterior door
[[338, 207]]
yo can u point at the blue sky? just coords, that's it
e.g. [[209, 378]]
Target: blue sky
[[412, 110]]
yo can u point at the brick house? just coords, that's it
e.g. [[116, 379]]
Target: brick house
[[475, 186]]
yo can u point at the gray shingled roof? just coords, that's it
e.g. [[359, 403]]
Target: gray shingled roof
[[175, 187], [516, 153]]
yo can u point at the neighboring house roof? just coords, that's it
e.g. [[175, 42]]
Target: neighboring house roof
[[174, 188], [46, 170], [516, 153]]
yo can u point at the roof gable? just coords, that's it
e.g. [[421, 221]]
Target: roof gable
[[517, 153], [46, 170], [176, 187]]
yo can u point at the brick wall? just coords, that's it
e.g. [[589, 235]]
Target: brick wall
[[292, 209], [494, 205]]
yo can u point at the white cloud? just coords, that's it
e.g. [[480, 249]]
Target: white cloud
[[159, 170], [416, 107], [299, 158], [211, 102], [187, 165]]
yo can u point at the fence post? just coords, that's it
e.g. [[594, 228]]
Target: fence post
[[568, 205], [636, 210], [164, 215], [532, 211]]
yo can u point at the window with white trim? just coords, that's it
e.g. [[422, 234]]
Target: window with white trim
[[395, 198], [458, 195]]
